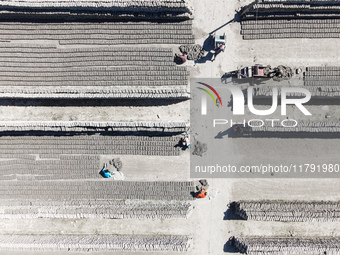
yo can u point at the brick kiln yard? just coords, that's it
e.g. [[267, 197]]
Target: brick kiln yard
[[54, 83]]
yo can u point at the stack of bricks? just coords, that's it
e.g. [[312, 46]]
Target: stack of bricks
[[290, 19], [276, 246], [97, 243], [295, 211], [322, 76], [303, 126], [104, 72], [95, 208], [105, 33], [75, 127], [97, 189], [92, 9]]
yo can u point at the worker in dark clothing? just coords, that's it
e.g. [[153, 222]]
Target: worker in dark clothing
[[181, 58], [218, 50], [238, 129], [278, 72]]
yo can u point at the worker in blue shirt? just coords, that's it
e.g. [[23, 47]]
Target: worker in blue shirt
[[106, 173]]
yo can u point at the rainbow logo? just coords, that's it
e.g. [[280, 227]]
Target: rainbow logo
[[204, 100]]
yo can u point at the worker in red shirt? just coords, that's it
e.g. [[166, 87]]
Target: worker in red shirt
[[181, 58], [202, 194]]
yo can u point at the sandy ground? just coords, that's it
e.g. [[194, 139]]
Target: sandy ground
[[207, 226]]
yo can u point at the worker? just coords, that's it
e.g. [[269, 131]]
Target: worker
[[202, 194], [238, 129], [279, 72], [218, 50], [183, 142], [181, 58], [106, 173], [187, 141]]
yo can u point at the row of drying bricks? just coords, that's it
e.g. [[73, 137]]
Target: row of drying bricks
[[116, 146], [129, 42], [49, 167], [114, 79], [112, 58], [119, 6], [332, 76], [40, 146], [112, 189], [294, 7], [295, 1], [128, 38], [35, 149], [271, 24], [170, 94], [138, 70], [97, 92], [117, 79], [290, 35], [171, 73], [289, 205], [72, 56], [264, 246], [93, 83], [304, 31], [151, 31], [316, 86], [299, 129], [291, 213], [89, 185], [316, 91], [52, 64], [87, 54], [32, 158], [304, 124], [98, 70], [334, 217], [51, 161], [49, 177], [104, 26], [61, 143], [159, 196], [323, 93], [322, 83], [95, 190], [113, 212], [85, 140], [95, 243], [166, 77], [45, 48], [157, 151], [91, 150]]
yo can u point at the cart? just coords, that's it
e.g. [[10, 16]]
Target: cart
[[257, 71], [218, 40]]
